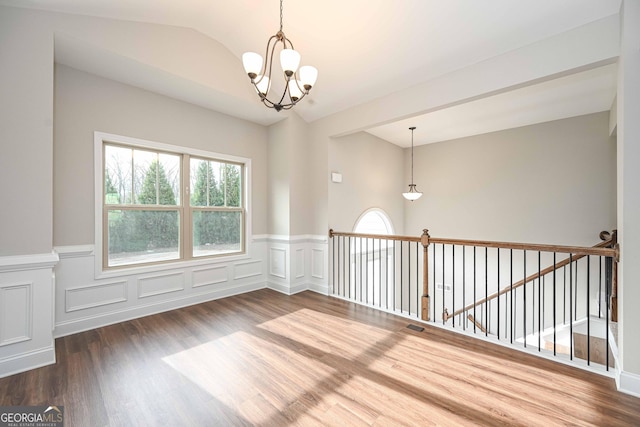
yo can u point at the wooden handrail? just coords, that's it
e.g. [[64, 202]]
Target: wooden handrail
[[446, 316], [477, 323], [375, 236], [598, 250]]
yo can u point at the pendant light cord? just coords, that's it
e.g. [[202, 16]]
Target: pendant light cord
[[412, 129]]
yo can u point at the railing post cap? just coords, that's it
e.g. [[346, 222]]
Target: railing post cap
[[425, 237]]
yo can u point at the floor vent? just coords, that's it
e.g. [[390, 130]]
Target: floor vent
[[415, 328]]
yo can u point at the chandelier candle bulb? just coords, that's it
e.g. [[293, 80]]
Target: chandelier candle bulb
[[294, 90], [289, 59], [252, 64], [308, 76]]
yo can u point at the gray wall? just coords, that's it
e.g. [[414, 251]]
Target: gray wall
[[85, 103], [372, 176], [26, 119], [290, 159], [550, 183]]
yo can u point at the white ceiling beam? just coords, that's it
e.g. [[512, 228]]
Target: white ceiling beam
[[580, 49]]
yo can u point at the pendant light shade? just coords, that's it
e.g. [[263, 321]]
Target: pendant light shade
[[413, 193]]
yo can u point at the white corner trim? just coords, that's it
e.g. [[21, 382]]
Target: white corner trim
[[73, 251], [628, 383], [28, 262]]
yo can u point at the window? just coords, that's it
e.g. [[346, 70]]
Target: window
[[162, 203], [217, 217], [373, 221], [372, 259]]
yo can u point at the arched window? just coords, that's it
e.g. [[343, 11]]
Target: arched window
[[372, 260], [374, 221]]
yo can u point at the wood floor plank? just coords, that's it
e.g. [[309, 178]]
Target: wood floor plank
[[268, 359]]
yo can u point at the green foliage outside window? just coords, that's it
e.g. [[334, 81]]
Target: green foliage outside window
[[216, 228], [142, 196], [146, 230]]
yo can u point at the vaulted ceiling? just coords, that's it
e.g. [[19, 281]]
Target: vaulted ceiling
[[369, 49]]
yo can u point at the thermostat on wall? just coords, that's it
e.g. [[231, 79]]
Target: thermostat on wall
[[336, 177]]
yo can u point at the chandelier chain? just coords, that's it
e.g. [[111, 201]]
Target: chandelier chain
[[281, 15]]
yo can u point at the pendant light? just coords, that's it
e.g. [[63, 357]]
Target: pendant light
[[412, 194]]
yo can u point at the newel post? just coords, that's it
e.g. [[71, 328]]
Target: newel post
[[614, 279], [425, 275]]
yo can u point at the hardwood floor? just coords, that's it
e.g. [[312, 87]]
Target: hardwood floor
[[267, 359]]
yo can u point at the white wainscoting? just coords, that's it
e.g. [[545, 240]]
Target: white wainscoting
[[288, 264], [298, 263], [85, 302], [52, 295], [26, 312]]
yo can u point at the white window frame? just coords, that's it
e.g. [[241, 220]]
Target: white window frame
[[102, 271], [386, 219]]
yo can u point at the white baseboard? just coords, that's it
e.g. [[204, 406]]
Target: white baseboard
[[628, 383], [321, 289], [27, 361], [291, 290], [110, 318]]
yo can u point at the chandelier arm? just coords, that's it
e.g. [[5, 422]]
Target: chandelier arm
[[285, 92], [273, 49], [266, 55], [285, 40], [302, 89], [267, 102]]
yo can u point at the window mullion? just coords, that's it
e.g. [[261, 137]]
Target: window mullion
[[187, 212]]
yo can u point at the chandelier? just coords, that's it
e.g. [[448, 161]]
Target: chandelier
[[298, 83], [412, 194]]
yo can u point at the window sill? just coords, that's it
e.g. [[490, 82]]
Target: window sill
[[176, 265]]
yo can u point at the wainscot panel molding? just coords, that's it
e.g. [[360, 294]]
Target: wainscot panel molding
[[210, 276], [244, 270], [298, 263], [278, 262], [26, 312], [84, 297], [16, 311], [84, 302], [158, 284]]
